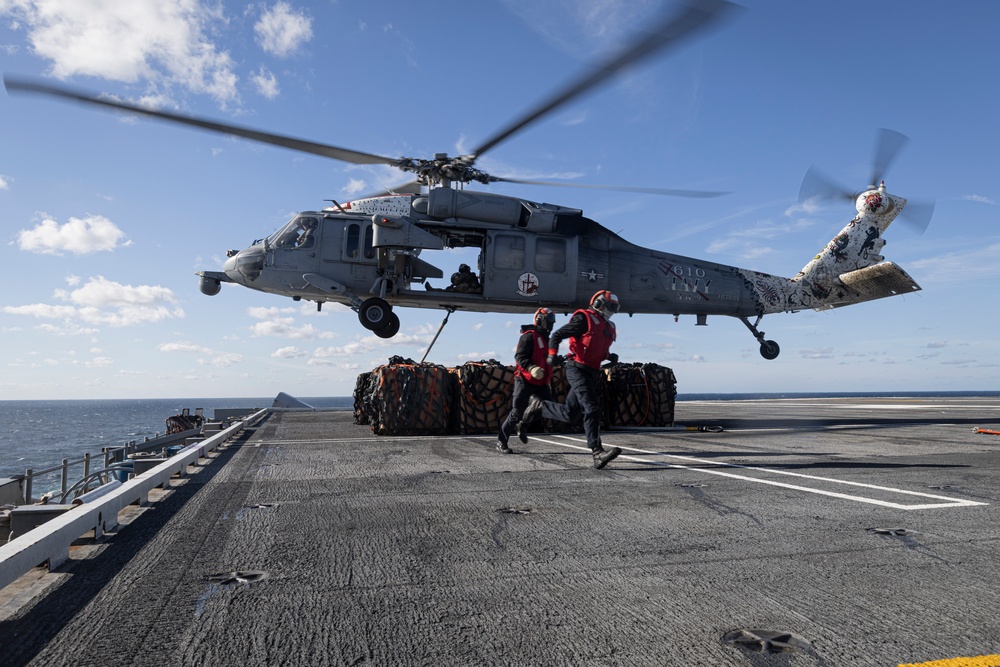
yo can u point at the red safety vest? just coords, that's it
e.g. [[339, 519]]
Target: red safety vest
[[539, 357], [592, 347]]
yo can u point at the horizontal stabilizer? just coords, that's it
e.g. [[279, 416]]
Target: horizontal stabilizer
[[876, 282]]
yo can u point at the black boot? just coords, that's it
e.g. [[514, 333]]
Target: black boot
[[603, 457], [533, 411], [522, 432]]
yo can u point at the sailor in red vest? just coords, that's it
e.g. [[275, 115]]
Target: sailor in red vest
[[590, 332], [531, 377]]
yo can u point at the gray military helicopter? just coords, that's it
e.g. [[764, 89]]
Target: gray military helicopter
[[365, 253]]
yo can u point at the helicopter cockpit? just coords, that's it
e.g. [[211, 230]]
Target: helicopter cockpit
[[299, 232]]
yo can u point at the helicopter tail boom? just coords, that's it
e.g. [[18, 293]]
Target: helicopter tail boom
[[849, 270]]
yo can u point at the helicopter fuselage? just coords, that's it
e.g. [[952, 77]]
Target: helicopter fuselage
[[532, 255]]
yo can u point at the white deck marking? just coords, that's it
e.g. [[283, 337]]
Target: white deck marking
[[948, 502]]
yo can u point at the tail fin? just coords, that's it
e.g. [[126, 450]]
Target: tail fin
[[850, 269]]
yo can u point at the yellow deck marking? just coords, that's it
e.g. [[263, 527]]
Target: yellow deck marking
[[972, 661]]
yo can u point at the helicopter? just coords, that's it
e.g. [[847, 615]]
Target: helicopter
[[366, 253]]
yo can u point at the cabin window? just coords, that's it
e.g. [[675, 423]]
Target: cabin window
[[370, 251], [509, 252], [353, 241], [550, 255]]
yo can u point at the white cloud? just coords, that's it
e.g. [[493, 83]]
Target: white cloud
[[160, 41], [284, 327], [288, 353], [223, 360], [354, 186], [281, 30], [979, 198], [183, 347], [975, 262], [66, 329], [276, 322], [262, 313], [423, 337], [4, 183], [266, 82], [80, 237], [103, 302]]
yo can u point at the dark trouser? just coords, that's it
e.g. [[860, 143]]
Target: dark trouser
[[522, 392], [582, 398]]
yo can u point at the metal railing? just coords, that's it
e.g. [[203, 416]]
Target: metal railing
[[50, 542], [111, 455]]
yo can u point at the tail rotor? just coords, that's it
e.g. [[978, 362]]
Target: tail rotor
[[817, 186]]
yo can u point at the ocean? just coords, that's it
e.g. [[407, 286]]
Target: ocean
[[39, 434]]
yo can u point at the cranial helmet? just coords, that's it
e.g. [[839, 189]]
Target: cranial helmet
[[545, 319], [604, 302]]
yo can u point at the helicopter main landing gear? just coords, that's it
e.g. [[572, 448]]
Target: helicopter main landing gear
[[768, 348], [376, 315]]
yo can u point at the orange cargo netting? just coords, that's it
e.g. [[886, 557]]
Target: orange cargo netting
[[407, 398], [638, 395], [485, 392]]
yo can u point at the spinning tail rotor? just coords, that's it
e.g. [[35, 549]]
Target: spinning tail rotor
[[816, 185]]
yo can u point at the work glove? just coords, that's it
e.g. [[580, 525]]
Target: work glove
[[536, 372]]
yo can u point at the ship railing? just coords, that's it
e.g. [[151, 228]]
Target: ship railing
[[111, 456], [50, 542]]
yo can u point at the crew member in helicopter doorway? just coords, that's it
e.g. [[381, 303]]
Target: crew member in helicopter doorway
[[531, 377], [590, 332]]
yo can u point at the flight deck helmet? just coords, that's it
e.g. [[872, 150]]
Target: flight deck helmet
[[545, 319], [605, 303]]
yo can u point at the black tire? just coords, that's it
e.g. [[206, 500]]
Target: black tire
[[374, 314], [390, 329], [769, 350]]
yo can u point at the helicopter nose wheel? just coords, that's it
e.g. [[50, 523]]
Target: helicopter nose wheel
[[375, 314], [768, 348]]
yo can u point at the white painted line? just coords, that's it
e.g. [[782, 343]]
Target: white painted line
[[949, 502]]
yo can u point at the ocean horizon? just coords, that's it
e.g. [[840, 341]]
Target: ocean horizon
[[39, 434]]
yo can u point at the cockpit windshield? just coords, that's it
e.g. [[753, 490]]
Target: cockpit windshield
[[299, 232]]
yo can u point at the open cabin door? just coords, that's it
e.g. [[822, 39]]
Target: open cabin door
[[532, 267]]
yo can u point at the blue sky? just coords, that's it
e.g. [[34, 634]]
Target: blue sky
[[106, 217]]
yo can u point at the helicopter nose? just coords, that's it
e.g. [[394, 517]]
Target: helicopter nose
[[245, 266], [230, 268]]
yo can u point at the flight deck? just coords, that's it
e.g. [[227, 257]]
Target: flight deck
[[859, 531]]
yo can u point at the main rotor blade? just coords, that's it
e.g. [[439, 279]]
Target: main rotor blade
[[696, 15], [18, 85], [617, 188], [887, 147]]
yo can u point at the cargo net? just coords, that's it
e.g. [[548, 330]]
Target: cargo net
[[408, 399], [485, 393], [363, 394], [638, 395]]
